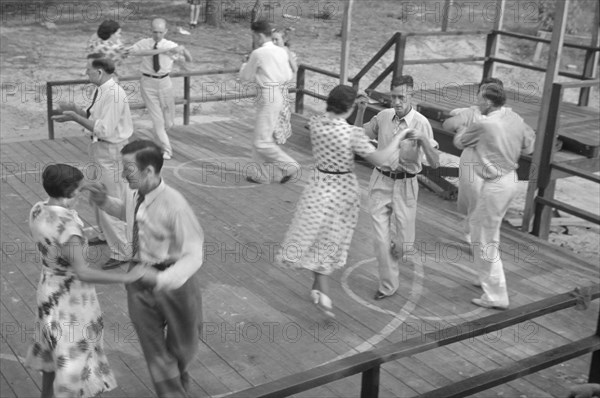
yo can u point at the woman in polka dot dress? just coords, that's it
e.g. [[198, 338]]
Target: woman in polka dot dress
[[321, 231]]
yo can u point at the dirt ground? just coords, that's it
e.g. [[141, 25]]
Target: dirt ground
[[46, 41]]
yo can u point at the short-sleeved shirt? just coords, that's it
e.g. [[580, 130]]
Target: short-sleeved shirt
[[165, 60], [335, 142], [410, 156]]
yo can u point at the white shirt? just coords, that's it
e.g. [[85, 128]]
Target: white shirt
[[166, 61], [168, 231], [268, 66], [110, 114]]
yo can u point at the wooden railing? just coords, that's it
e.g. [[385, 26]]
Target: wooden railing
[[369, 363], [186, 100], [548, 171]]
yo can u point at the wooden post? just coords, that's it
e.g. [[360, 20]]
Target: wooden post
[[547, 186], [445, 13], [186, 98], [594, 376], [554, 55], [399, 52], [495, 44], [346, 41], [590, 67], [49, 107], [300, 89], [370, 383]]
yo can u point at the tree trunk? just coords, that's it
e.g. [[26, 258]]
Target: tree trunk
[[213, 16]]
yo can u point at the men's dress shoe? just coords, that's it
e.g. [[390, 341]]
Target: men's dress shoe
[[112, 263], [285, 179], [323, 302], [380, 296], [166, 156], [476, 284], [487, 304], [96, 241], [252, 180]]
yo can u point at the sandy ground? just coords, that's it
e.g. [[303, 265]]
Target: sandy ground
[[36, 47]]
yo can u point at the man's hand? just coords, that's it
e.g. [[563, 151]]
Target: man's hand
[[97, 192], [66, 116], [584, 391], [149, 277], [135, 274], [407, 134]]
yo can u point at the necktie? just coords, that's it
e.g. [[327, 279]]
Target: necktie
[[155, 60], [136, 242], [89, 109]]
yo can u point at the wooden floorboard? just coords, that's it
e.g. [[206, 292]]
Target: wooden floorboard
[[244, 293]]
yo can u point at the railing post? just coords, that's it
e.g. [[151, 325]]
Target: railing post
[[590, 65], [399, 55], [49, 106], [370, 383], [488, 64], [594, 376], [445, 13], [186, 97], [300, 89], [545, 186]]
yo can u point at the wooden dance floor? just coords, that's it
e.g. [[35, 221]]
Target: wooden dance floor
[[260, 324]]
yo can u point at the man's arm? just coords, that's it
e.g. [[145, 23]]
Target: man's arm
[[528, 140], [187, 233], [111, 205], [72, 116], [248, 69], [424, 135], [468, 136], [371, 127]]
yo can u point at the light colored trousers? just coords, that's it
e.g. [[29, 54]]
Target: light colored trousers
[[392, 201], [486, 220], [168, 327], [106, 170], [160, 102], [469, 186], [265, 152]]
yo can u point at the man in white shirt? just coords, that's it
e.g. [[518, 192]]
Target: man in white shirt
[[165, 306], [158, 55], [268, 67], [393, 188], [499, 140], [108, 119]]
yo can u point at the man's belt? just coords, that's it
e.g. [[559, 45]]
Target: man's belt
[[163, 266], [395, 175], [334, 171], [155, 77], [99, 139]]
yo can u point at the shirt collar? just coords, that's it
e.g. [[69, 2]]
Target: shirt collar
[[268, 43], [107, 85], [155, 193], [407, 118]]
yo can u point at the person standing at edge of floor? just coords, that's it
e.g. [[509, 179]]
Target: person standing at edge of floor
[[108, 119], [165, 306], [393, 188], [158, 55], [499, 140], [269, 67], [469, 182]]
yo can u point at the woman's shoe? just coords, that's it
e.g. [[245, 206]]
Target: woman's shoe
[[323, 302]]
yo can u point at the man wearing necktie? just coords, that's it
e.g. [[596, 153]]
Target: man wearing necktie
[[108, 119], [156, 87], [165, 306], [393, 188]]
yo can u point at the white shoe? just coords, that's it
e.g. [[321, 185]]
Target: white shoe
[[488, 304], [166, 156]]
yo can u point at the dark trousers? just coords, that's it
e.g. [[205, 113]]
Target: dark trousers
[[168, 353]]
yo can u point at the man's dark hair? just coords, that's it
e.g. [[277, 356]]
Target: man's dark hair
[[147, 153], [405, 80], [100, 62], [488, 80], [493, 92], [61, 180], [261, 27], [107, 28], [341, 99]]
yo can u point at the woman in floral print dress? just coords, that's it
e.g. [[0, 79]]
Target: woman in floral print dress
[[69, 348], [321, 231]]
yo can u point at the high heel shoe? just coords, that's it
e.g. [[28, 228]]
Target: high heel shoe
[[323, 302]]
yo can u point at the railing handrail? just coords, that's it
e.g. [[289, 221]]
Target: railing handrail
[[365, 361], [376, 57], [543, 40]]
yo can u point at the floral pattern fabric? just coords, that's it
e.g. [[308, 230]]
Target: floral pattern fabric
[[69, 341]]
